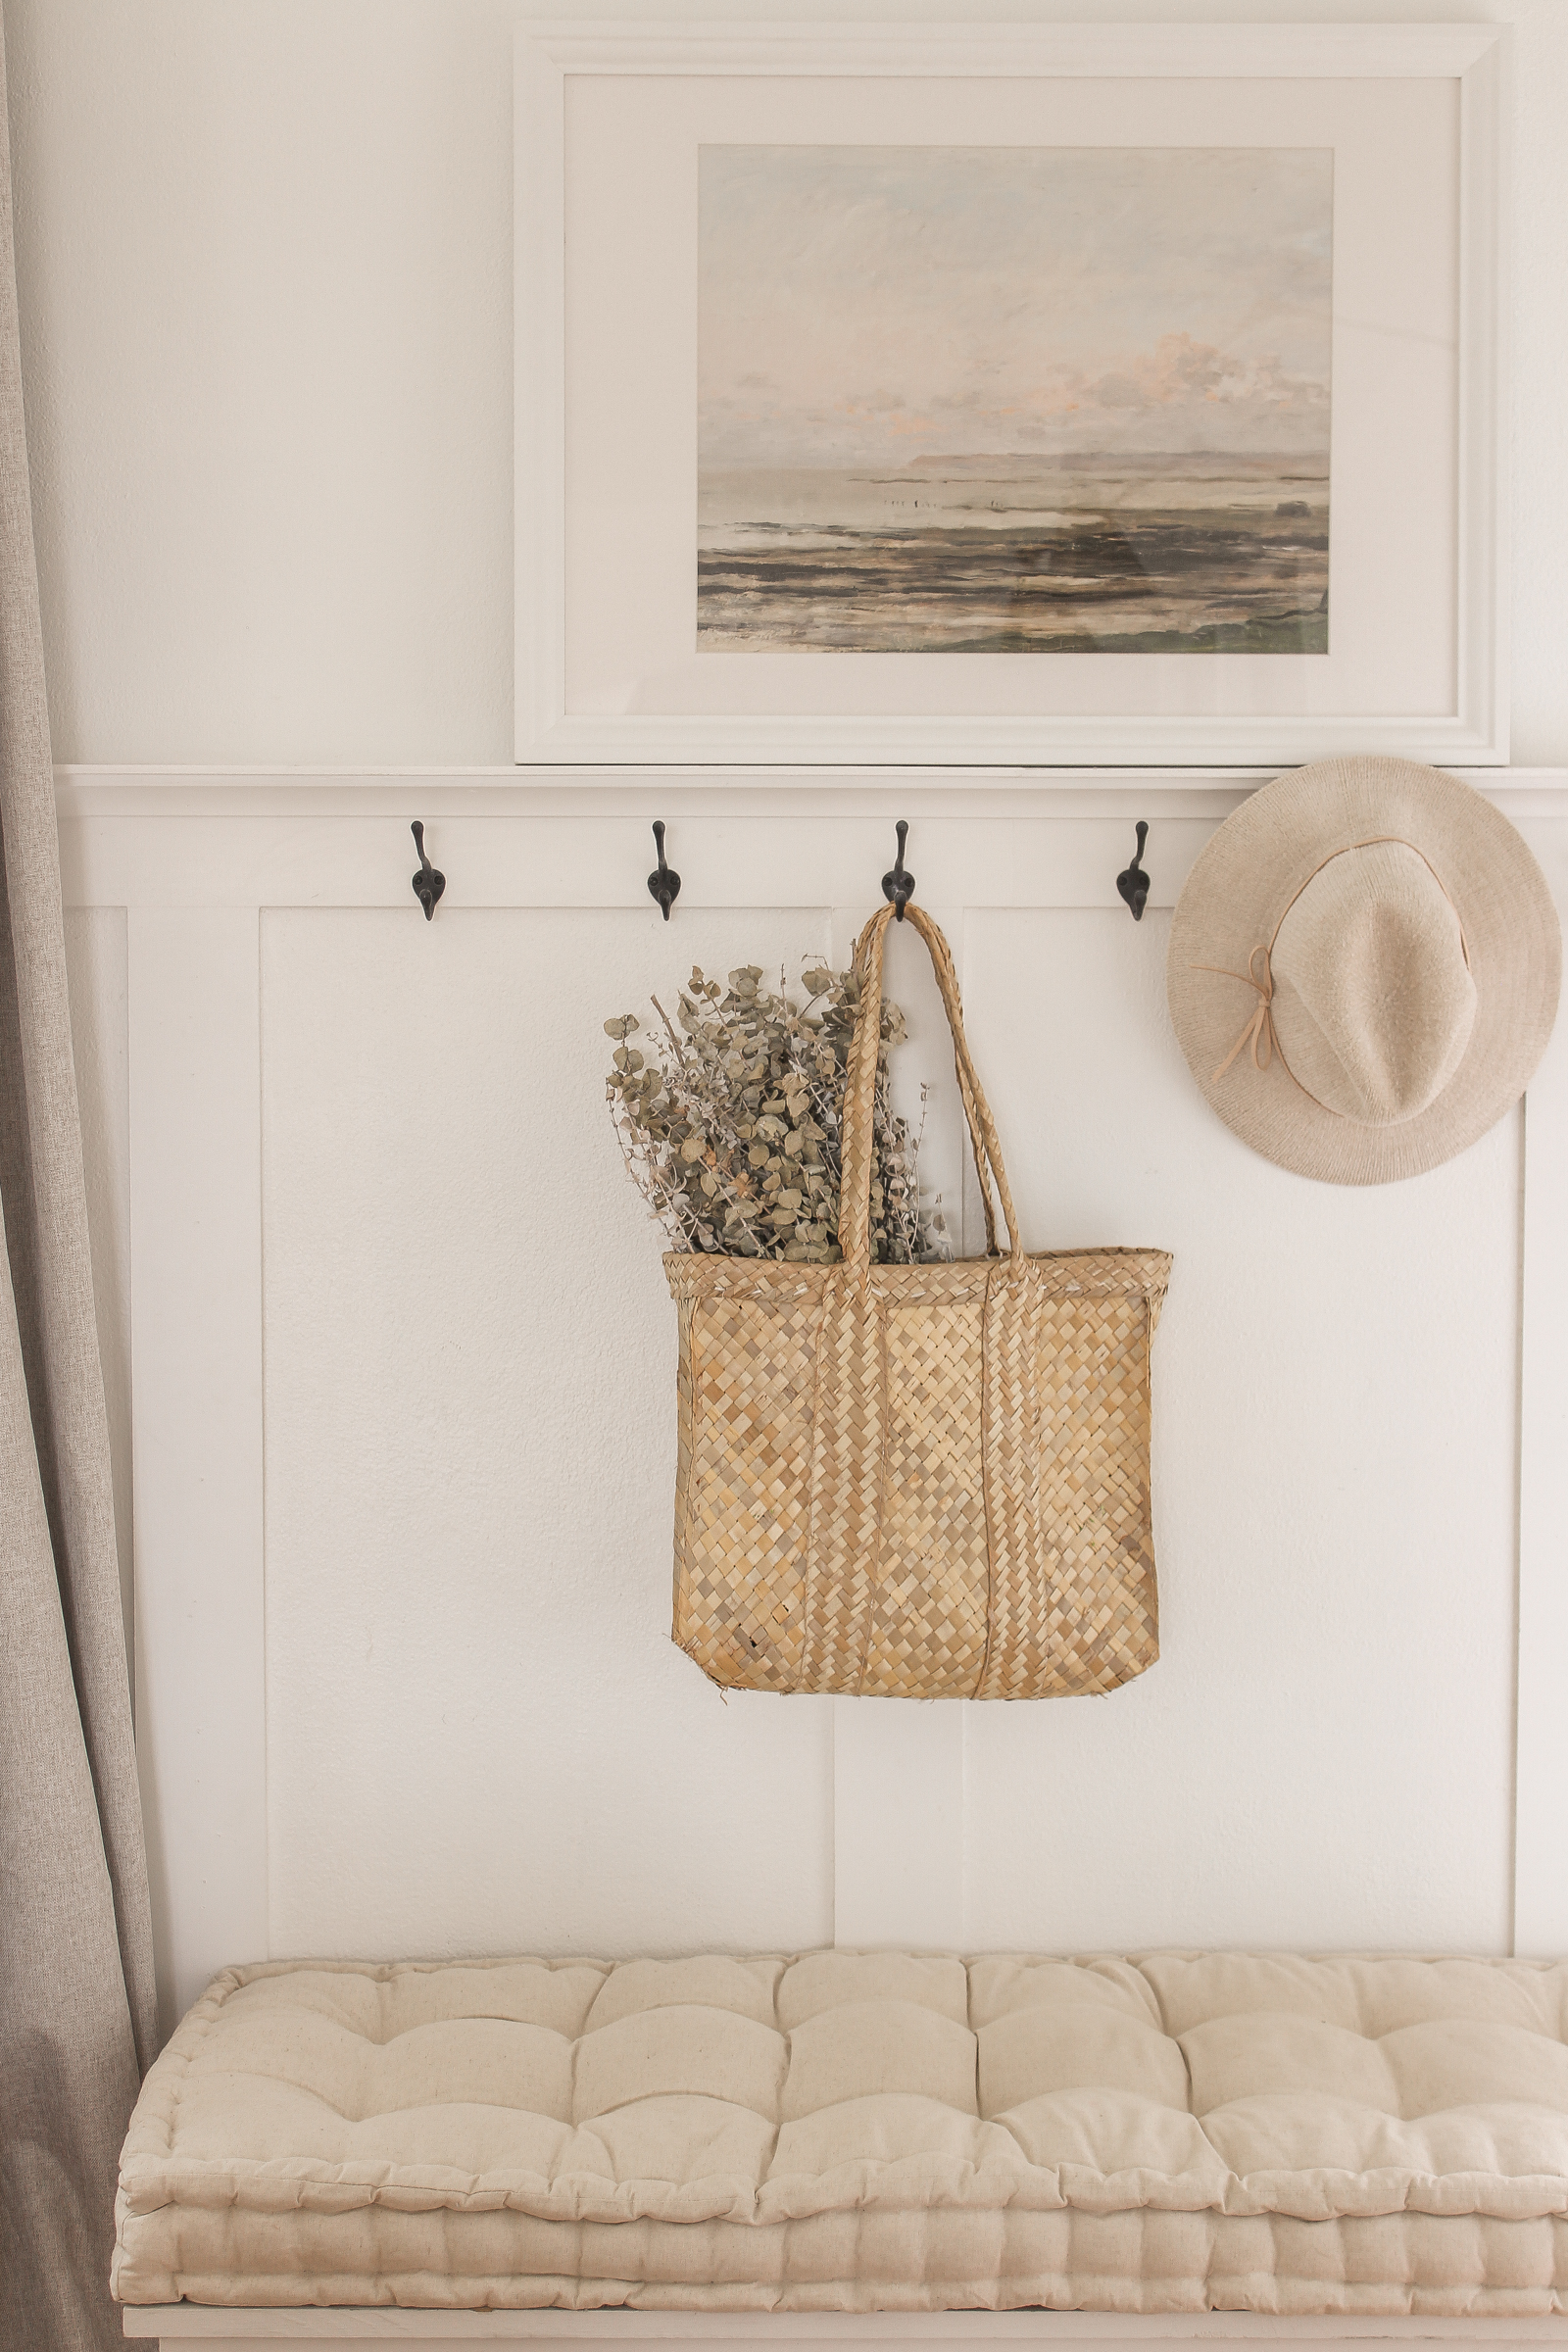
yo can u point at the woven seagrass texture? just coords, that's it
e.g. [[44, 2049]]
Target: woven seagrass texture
[[917, 1481]]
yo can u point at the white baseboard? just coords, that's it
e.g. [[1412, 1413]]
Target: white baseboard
[[204, 2328]]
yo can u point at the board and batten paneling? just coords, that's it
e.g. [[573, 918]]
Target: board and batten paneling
[[1540, 1842], [470, 1460], [403, 1363], [1324, 1755]]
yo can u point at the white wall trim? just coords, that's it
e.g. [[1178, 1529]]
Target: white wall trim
[[340, 837], [194, 996], [1541, 1785], [187, 855], [196, 2324], [580, 782], [600, 791]]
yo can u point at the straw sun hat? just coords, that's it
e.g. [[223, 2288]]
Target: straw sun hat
[[1363, 970]]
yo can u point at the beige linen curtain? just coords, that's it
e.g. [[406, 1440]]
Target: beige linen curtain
[[76, 2007]]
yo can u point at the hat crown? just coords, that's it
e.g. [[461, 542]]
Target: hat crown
[[1373, 997]]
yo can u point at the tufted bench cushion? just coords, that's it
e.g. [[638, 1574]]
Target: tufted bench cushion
[[849, 2131]]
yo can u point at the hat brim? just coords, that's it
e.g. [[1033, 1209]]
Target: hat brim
[[1241, 886]]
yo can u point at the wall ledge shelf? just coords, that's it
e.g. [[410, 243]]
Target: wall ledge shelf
[[833, 794]]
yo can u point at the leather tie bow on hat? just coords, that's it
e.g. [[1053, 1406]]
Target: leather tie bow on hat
[[1372, 976]]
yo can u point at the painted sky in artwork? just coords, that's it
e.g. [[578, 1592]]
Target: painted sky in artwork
[[864, 305]]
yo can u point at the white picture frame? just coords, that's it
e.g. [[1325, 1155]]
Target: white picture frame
[[601, 321]]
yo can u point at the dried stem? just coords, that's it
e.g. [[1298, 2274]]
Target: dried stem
[[733, 1129]]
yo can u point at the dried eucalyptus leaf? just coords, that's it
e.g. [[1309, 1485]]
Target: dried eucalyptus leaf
[[732, 1128]]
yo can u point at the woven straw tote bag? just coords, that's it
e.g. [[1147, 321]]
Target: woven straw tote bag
[[917, 1480]]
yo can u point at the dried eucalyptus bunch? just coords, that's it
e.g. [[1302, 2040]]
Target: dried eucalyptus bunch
[[731, 1124]]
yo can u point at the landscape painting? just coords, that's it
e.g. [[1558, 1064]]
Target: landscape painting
[[1013, 400]]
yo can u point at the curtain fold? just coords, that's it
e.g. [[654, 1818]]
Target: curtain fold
[[76, 1998]]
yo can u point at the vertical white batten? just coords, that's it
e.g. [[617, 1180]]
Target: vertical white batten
[[898, 1763], [196, 1352], [1540, 1792], [898, 1824]]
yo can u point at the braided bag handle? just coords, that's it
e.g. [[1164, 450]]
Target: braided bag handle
[[855, 1181]]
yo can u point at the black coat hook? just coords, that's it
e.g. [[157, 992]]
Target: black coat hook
[[428, 882], [898, 886], [1132, 881], [664, 883]]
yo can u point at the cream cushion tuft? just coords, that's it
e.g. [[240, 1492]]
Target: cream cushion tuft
[[862, 2131]]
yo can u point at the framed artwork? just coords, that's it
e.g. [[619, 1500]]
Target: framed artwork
[[1010, 397]]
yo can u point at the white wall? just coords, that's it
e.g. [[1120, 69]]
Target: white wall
[[389, 1347], [265, 251]]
